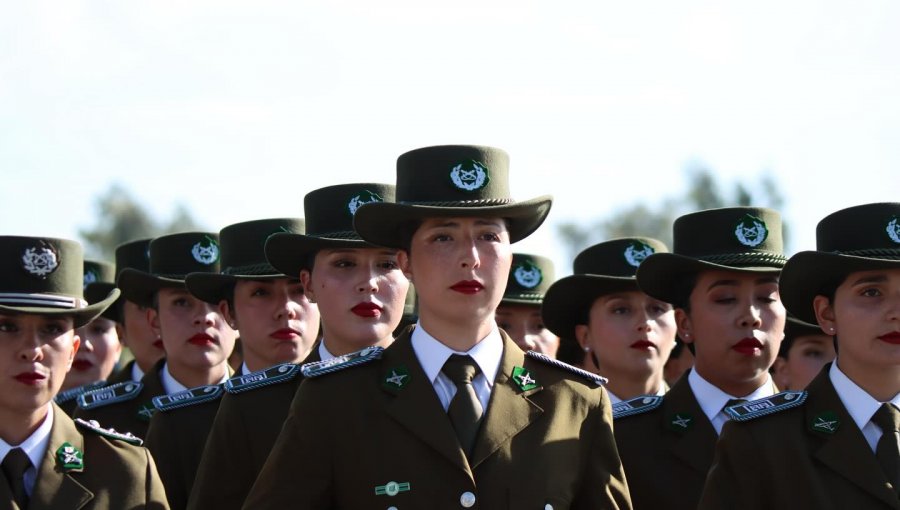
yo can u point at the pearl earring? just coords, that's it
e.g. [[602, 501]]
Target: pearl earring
[[587, 349]]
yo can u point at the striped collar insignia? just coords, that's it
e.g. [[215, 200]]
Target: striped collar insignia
[[341, 362], [73, 393], [113, 394], [187, 398], [594, 378], [764, 406], [636, 405], [262, 378], [95, 427]]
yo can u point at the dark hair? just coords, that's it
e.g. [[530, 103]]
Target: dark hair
[[684, 286]]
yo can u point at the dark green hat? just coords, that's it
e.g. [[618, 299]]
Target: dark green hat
[[172, 258], [529, 278], [99, 281], [794, 328], [243, 257], [133, 254], [733, 239], [329, 224], [860, 238], [45, 276], [449, 181], [601, 269]]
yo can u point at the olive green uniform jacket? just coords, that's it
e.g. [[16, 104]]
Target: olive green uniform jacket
[[349, 434], [115, 474], [132, 415], [810, 456], [121, 375], [244, 431], [666, 463]]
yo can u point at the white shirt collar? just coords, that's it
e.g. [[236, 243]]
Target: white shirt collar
[[614, 399], [432, 354], [34, 446], [245, 369], [136, 373], [712, 399], [324, 353], [171, 385], [860, 405]]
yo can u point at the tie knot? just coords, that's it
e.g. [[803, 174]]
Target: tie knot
[[461, 369], [16, 463], [887, 417]]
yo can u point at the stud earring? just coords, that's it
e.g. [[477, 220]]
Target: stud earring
[[587, 349], [831, 329]]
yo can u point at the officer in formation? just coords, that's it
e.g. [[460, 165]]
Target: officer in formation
[[519, 313], [803, 352]]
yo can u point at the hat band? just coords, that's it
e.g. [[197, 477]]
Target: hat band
[[878, 253], [462, 203], [741, 259], [45, 300], [260, 269], [343, 235]]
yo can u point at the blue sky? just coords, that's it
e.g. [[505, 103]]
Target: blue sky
[[237, 109]]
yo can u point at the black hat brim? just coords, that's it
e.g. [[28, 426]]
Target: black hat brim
[[290, 253], [98, 291], [568, 300], [139, 287], [212, 288], [80, 316], [811, 273], [661, 275], [388, 223]]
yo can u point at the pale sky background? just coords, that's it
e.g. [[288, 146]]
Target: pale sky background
[[238, 109]]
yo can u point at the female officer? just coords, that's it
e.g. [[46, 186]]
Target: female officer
[[519, 313], [49, 460], [453, 412]]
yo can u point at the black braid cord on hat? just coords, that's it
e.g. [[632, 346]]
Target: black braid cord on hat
[[748, 258], [465, 203], [260, 269], [877, 253]]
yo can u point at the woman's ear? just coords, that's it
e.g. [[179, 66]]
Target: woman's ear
[[153, 322], [825, 315], [306, 281], [225, 312], [685, 326], [403, 262]]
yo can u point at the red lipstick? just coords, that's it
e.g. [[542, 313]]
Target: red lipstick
[[201, 339], [892, 338], [367, 309], [284, 334], [748, 346], [467, 287], [30, 378], [642, 345]]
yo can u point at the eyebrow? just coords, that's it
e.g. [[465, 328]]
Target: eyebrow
[[731, 283], [878, 278], [479, 221]]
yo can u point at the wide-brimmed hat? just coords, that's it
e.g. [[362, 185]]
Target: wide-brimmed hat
[[243, 257], [172, 258], [601, 269], [732, 238], [449, 181], [529, 278], [329, 215], [99, 281], [793, 328], [860, 238], [45, 276]]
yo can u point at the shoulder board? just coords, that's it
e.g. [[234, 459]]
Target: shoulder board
[[73, 393], [113, 394], [594, 378], [266, 377], [187, 398], [769, 405], [341, 362], [95, 427], [636, 405]]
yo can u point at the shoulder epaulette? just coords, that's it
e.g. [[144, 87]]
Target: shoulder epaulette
[[266, 377], [594, 378], [188, 398], [341, 362], [636, 405], [93, 426], [73, 393], [764, 406], [113, 394]]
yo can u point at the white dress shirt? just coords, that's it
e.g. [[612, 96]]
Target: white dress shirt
[[136, 373], [613, 399], [432, 355], [860, 405], [35, 447], [712, 400], [324, 353], [171, 385]]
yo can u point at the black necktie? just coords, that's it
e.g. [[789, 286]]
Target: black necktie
[[887, 451], [465, 409], [14, 466]]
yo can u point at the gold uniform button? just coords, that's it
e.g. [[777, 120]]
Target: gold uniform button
[[467, 500]]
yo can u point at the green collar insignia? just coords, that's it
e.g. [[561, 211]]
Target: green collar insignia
[[681, 422], [523, 379], [391, 488], [145, 412], [751, 231], [826, 422], [893, 229], [398, 379], [528, 275], [69, 458], [470, 176]]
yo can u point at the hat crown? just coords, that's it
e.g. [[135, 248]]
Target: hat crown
[[454, 175], [722, 234], [41, 265], [243, 244], [864, 230], [176, 255], [134, 255], [96, 271], [529, 275], [330, 210], [617, 257]]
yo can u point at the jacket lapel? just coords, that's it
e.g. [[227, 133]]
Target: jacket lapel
[[55, 489], [843, 450], [509, 410], [415, 404], [694, 439]]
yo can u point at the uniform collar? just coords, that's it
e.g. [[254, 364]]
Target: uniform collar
[[614, 399], [36, 444], [245, 369], [171, 385], [712, 399], [860, 405], [432, 354], [136, 373], [324, 353]]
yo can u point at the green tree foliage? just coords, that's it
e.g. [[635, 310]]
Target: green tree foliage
[[642, 219], [122, 218]]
